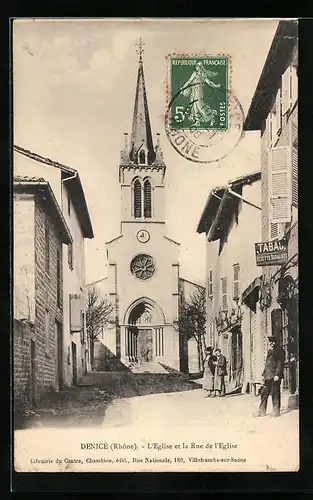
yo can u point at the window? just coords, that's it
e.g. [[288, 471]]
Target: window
[[47, 246], [142, 266], [224, 293], [47, 331], [210, 283], [147, 199], [59, 287], [70, 256], [142, 158], [236, 292], [142, 199], [137, 199]]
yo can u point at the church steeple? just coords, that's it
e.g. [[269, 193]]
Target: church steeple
[[142, 167], [141, 143]]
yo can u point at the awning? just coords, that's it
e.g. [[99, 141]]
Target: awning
[[256, 283]]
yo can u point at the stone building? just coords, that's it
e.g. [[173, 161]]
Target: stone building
[[274, 112], [143, 260], [69, 195], [40, 230], [231, 221]]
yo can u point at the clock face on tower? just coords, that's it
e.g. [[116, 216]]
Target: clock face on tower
[[142, 266], [143, 236]]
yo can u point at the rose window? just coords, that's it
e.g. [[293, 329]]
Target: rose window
[[142, 266]]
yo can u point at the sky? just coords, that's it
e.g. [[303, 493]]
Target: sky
[[73, 97]]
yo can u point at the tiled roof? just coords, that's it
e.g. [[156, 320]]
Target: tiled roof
[[26, 179], [278, 58], [74, 186]]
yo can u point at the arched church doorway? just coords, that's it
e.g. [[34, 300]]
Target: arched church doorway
[[144, 331]]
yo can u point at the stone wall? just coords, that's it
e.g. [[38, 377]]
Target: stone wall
[[23, 332]]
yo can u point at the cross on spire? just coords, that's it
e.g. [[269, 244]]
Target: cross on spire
[[140, 49]]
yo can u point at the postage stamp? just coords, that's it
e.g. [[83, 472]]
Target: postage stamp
[[204, 119], [199, 93]]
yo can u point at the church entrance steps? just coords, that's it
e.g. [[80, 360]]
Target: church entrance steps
[[147, 367]]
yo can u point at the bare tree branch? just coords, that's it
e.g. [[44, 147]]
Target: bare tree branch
[[192, 318], [98, 312]]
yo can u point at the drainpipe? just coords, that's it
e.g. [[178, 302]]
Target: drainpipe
[[243, 199]]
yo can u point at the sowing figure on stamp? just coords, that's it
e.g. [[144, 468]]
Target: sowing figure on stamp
[[193, 89]]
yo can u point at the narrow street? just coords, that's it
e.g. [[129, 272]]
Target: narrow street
[[137, 411]]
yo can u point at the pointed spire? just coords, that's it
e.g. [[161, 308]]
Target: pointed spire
[[141, 143]]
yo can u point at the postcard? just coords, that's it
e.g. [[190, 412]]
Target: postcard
[[155, 197]]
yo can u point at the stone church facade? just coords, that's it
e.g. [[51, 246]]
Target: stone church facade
[[143, 261]]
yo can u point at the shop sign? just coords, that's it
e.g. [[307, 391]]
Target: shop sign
[[271, 253]]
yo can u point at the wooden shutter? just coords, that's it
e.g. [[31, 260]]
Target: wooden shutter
[[224, 293], [274, 231], [236, 269], [294, 134], [279, 169], [294, 176], [75, 313], [286, 85]]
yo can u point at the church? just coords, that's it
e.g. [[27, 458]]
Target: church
[[143, 275]]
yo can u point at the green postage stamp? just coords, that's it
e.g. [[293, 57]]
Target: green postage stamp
[[199, 93]]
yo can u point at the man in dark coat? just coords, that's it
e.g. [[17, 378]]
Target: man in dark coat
[[272, 374], [220, 372]]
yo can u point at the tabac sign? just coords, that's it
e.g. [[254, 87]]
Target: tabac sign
[[271, 253]]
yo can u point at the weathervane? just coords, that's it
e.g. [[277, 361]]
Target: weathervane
[[140, 49]]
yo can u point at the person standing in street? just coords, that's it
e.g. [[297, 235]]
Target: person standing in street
[[272, 375], [220, 373], [209, 371]]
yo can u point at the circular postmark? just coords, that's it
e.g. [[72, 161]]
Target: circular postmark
[[202, 142]]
